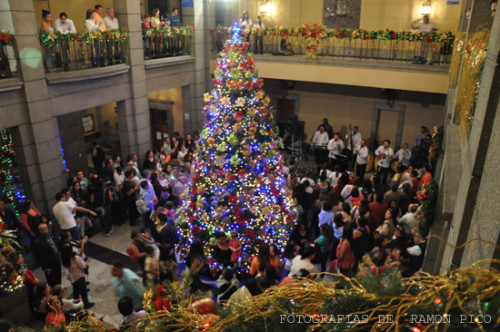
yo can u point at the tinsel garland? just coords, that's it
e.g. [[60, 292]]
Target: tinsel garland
[[54, 38], [307, 29], [172, 32], [472, 64], [463, 300]]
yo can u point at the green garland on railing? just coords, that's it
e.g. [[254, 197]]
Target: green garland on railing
[[54, 38], [339, 33], [429, 199], [6, 38], [187, 31]]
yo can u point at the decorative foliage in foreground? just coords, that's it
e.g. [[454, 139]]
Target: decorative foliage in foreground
[[464, 300]]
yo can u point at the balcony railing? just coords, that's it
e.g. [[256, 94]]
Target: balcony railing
[[6, 40], [315, 40], [167, 42], [68, 51]]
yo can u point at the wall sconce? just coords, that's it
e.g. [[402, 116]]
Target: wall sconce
[[264, 8], [426, 7]]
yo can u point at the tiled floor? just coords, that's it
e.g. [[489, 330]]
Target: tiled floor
[[101, 291]]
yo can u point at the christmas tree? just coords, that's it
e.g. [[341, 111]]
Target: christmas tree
[[10, 182], [237, 179]]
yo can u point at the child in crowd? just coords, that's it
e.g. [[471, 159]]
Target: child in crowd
[[235, 246]]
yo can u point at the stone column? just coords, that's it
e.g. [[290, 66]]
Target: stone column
[[133, 113], [36, 142], [476, 209], [73, 143], [202, 17]]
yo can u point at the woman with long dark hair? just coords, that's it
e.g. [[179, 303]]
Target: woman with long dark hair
[[31, 218], [50, 49], [345, 255], [75, 266], [263, 258], [325, 241], [197, 266]]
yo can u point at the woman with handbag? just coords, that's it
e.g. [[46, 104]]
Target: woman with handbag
[[345, 255]]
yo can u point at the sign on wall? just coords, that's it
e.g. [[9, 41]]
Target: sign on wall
[[187, 3]]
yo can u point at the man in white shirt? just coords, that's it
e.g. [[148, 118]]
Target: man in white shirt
[[425, 25], [63, 211], [335, 147], [111, 21], [326, 215], [409, 221], [361, 153], [64, 24], [385, 153], [356, 138], [403, 155], [320, 143]]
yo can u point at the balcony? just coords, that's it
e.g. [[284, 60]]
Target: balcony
[[70, 52], [6, 52], [381, 59], [167, 42]]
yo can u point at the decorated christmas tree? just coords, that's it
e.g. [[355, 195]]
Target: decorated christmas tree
[[11, 188], [237, 182]]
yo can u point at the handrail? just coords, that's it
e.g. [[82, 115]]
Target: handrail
[[6, 40], [75, 51], [167, 42], [315, 40]]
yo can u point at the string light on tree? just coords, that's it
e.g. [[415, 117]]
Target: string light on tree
[[237, 179]]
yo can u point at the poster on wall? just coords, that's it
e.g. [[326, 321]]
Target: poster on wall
[[187, 3]]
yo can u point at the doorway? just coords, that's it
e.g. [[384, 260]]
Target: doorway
[[161, 120], [387, 123]]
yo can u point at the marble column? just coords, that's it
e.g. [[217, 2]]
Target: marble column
[[36, 142], [476, 208], [133, 113], [202, 17]]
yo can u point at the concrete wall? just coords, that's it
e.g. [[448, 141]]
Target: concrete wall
[[175, 96], [343, 105], [375, 14]]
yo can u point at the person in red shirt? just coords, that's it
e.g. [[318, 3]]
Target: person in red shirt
[[378, 209], [426, 178], [55, 317]]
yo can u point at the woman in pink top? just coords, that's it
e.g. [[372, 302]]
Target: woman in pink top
[[75, 266]]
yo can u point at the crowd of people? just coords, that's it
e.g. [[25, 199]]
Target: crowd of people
[[349, 222], [94, 21], [116, 192]]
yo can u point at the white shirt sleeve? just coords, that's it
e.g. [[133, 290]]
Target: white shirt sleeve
[[414, 251], [58, 26], [363, 152], [72, 28]]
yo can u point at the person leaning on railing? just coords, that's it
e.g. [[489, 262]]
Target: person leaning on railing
[[258, 37], [145, 40], [50, 49], [91, 26], [65, 25]]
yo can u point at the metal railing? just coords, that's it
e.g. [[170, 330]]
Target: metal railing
[[67, 52], [167, 42], [6, 41], [343, 43]]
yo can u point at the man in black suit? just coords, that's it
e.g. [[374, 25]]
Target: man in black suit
[[167, 232], [47, 254]]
